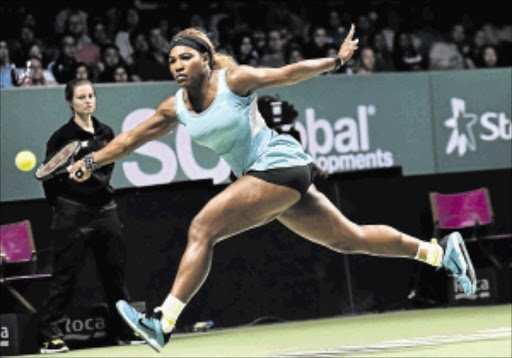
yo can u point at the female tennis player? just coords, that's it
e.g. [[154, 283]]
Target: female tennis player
[[218, 105]]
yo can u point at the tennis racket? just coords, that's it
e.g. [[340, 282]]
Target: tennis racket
[[60, 162]]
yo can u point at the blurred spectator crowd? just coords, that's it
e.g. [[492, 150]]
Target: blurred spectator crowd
[[49, 44]]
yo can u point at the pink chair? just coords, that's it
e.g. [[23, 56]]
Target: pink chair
[[466, 210], [469, 209], [17, 248]]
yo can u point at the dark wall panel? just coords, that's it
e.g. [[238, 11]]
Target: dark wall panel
[[270, 273]]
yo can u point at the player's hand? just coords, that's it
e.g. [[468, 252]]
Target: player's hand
[[348, 46], [78, 172]]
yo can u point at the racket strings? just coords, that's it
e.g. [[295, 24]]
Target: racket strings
[[58, 160]]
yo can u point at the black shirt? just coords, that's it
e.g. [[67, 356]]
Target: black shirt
[[94, 191]]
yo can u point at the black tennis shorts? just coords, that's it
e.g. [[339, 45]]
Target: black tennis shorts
[[298, 178]]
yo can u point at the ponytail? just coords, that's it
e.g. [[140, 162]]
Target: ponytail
[[221, 60]]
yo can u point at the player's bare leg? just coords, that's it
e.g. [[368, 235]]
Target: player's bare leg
[[317, 219], [247, 203]]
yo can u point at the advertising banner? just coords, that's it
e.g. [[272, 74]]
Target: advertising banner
[[424, 122], [471, 119]]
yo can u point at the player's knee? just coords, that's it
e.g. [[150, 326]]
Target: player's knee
[[200, 233]]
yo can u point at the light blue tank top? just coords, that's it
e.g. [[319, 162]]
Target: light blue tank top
[[233, 128]]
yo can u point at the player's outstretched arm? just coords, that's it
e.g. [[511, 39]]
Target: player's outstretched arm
[[160, 123], [246, 79]]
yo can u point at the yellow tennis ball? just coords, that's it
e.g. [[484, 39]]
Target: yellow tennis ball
[[25, 160]]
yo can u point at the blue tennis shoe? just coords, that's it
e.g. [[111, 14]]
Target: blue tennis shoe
[[147, 327], [457, 261]]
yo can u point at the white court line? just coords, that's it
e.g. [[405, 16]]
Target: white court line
[[493, 333]]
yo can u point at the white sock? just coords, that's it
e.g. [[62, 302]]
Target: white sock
[[434, 253], [171, 310]]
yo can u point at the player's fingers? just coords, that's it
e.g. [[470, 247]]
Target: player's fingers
[[74, 170], [352, 30], [72, 175], [71, 170]]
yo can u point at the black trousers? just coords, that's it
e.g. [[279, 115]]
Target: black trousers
[[77, 228]]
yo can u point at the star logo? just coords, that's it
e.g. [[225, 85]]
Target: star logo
[[462, 137]]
